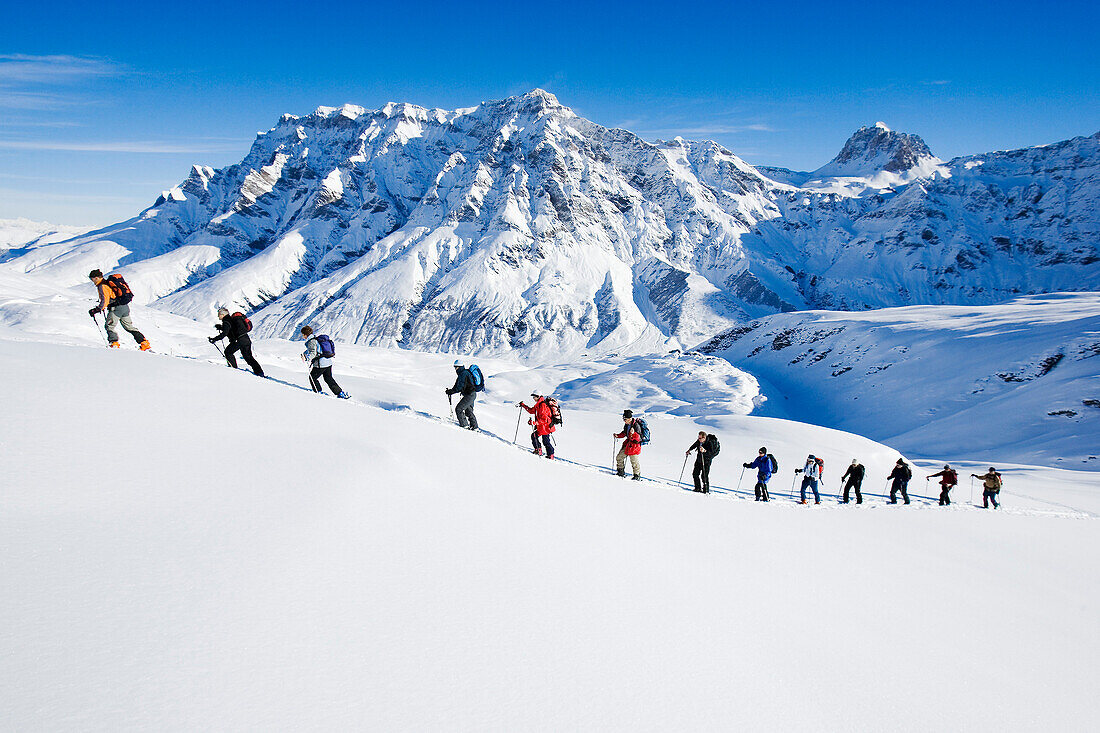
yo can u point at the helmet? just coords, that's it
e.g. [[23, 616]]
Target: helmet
[[458, 363]]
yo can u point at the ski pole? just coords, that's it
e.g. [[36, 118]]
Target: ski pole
[[614, 452], [682, 468], [450, 406], [105, 334], [739, 479], [215, 345], [971, 489], [790, 494], [519, 417]]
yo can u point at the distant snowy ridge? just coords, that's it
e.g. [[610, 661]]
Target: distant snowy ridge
[[1018, 381], [517, 226]]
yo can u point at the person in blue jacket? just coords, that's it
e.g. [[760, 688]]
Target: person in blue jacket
[[764, 468]]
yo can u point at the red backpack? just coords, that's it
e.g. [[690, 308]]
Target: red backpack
[[247, 323]]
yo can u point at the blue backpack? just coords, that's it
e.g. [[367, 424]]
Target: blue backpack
[[325, 346], [479, 379], [643, 429]]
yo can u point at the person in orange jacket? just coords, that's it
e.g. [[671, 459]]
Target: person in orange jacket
[[116, 310], [543, 425]]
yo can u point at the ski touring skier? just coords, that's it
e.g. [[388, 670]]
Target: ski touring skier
[[114, 303], [765, 466], [899, 481], [706, 448], [948, 478], [468, 385], [542, 423], [235, 327], [853, 479], [991, 483], [634, 433], [811, 477], [319, 354]]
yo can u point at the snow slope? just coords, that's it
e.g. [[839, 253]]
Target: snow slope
[[215, 551], [1018, 381]]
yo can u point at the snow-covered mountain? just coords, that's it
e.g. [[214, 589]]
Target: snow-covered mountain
[[25, 233], [519, 226]]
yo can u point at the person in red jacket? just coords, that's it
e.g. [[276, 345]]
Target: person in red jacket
[[948, 478], [632, 446], [543, 423]]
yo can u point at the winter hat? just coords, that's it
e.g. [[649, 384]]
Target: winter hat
[[855, 462], [946, 467], [459, 364], [536, 395], [307, 331], [992, 470], [763, 450], [630, 413], [811, 456], [95, 273]]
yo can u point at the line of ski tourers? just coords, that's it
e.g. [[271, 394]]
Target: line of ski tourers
[[544, 411]]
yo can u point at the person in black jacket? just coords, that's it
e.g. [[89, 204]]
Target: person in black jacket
[[900, 481], [464, 385], [235, 328], [704, 448], [853, 479]]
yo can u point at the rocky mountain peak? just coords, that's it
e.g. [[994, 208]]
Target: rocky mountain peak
[[877, 148]]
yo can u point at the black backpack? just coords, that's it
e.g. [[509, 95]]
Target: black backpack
[[775, 463], [713, 446]]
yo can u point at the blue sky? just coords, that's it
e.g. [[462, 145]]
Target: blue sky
[[103, 105]]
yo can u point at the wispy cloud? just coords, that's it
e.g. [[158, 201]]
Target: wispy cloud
[[117, 146], [936, 82], [22, 69], [43, 83], [716, 129]]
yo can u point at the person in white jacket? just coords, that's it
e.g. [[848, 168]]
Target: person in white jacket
[[811, 477], [319, 365]]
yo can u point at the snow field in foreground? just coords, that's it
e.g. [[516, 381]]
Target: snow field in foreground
[[191, 547]]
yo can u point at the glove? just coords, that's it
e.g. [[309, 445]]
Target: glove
[[93, 311], [746, 465], [213, 339], [798, 470], [530, 422]]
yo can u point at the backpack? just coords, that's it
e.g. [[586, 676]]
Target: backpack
[[951, 478], [120, 290], [479, 379], [906, 472], [325, 347], [247, 323], [642, 429], [555, 411], [713, 446], [820, 466], [775, 463], [1000, 481]]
